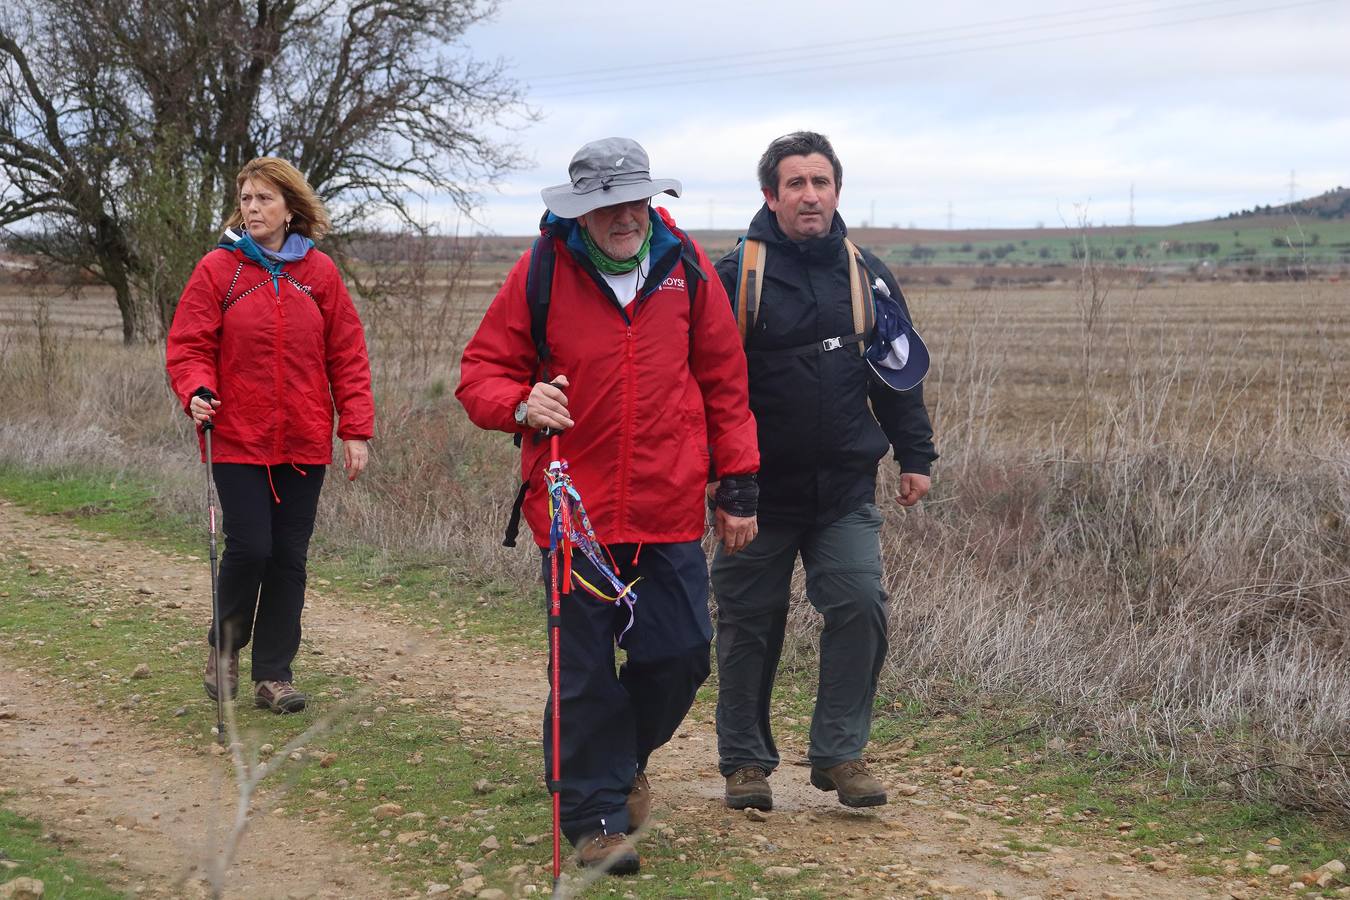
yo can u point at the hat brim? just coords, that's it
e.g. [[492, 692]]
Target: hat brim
[[912, 373], [563, 201]]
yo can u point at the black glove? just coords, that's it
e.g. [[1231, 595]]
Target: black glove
[[738, 495]]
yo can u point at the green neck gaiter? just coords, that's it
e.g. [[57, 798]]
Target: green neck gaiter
[[610, 266]]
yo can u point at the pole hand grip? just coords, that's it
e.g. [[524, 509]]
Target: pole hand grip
[[205, 393]]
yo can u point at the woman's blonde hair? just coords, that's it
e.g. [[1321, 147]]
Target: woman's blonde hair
[[308, 216]]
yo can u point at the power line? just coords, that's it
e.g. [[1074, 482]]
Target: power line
[[659, 81], [698, 63], [649, 84]]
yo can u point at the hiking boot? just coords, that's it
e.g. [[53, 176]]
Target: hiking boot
[[278, 696], [856, 785], [611, 852], [639, 801], [231, 675], [748, 786]]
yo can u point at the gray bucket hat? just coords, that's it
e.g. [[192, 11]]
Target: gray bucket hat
[[606, 172]]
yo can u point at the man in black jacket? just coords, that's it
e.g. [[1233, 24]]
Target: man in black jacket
[[820, 443]]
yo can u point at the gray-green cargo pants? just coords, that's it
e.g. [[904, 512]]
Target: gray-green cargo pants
[[843, 582]]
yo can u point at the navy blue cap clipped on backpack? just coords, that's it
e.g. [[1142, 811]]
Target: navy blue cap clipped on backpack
[[897, 355]]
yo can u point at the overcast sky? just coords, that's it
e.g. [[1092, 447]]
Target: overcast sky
[[975, 113]]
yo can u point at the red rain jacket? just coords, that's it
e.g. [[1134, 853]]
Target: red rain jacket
[[647, 405], [278, 355]]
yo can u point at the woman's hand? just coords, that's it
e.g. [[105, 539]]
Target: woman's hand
[[203, 410], [355, 454]]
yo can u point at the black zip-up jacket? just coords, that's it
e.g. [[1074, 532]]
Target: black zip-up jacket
[[819, 440]]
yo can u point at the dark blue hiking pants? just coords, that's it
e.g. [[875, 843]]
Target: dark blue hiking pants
[[612, 719]]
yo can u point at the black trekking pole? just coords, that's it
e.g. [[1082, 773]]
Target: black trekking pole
[[217, 626]]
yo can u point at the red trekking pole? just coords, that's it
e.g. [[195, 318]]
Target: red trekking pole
[[557, 587]]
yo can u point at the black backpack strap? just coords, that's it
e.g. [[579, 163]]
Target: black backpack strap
[[693, 276], [513, 524], [538, 291], [693, 272], [538, 295]]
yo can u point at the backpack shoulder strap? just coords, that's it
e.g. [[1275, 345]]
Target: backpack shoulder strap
[[693, 272], [860, 293], [749, 285], [693, 277], [538, 291]]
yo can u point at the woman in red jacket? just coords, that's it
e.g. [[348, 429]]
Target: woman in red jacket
[[264, 343]]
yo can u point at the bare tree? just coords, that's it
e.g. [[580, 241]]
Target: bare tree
[[124, 152]]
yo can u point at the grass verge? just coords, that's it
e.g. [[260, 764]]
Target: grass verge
[[27, 852]]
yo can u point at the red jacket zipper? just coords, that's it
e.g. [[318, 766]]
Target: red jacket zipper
[[626, 439], [278, 444]]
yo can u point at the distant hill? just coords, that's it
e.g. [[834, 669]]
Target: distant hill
[[1334, 204]]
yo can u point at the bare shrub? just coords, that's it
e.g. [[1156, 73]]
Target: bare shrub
[[438, 487], [418, 300], [958, 391]]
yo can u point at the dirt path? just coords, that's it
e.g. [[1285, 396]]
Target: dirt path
[[142, 803], [142, 798]]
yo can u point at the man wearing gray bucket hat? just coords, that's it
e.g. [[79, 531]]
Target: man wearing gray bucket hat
[[835, 381], [634, 358]]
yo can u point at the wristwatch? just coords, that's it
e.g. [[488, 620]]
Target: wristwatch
[[521, 410]]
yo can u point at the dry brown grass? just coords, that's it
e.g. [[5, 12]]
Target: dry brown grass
[[1149, 543], [1155, 549]]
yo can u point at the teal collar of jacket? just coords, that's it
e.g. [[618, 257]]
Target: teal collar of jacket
[[274, 261]]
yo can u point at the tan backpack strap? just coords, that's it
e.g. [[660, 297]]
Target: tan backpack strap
[[860, 295], [749, 287]]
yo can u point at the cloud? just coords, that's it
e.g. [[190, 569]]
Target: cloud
[[1010, 115]]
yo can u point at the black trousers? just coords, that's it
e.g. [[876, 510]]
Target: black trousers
[[612, 722], [262, 571]]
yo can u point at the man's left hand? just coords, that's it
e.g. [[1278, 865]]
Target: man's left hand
[[913, 487], [735, 532]]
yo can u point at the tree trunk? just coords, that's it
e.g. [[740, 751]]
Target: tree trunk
[[115, 260], [128, 308]]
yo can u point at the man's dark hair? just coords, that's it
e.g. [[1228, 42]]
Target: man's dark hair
[[799, 143]]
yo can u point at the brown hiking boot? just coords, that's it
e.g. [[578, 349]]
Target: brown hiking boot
[[856, 785], [639, 802], [613, 853], [231, 675], [748, 786], [278, 696]]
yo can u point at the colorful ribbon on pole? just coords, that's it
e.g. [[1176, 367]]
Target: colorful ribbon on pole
[[571, 527]]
